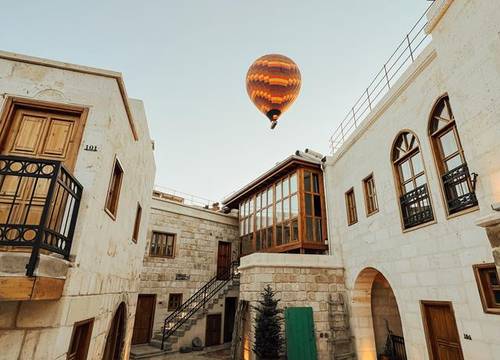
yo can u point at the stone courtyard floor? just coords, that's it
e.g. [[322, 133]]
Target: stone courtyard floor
[[216, 352]]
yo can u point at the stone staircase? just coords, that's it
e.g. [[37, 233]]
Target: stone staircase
[[153, 349]]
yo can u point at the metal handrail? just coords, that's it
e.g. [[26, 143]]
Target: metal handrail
[[199, 299], [54, 229], [405, 54]]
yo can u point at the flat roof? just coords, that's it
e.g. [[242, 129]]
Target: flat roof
[[292, 161]]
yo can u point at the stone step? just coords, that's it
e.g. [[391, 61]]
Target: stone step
[[147, 351]]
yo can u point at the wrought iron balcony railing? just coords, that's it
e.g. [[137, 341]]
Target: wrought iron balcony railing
[[416, 207], [459, 188], [39, 203]]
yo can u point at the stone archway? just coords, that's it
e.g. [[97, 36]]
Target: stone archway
[[374, 312], [116, 335]]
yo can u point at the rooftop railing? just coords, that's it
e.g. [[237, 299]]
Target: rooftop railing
[[404, 55]]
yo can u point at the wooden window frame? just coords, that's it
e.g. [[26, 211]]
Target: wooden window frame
[[440, 159], [350, 205], [114, 189], [398, 177], [180, 295], [249, 235], [174, 244], [486, 294], [86, 340], [371, 201], [315, 216], [137, 223]]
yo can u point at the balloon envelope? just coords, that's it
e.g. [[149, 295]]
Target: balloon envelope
[[273, 83]]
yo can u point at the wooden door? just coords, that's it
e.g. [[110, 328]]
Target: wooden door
[[441, 331], [35, 134], [301, 339], [144, 318], [213, 330], [223, 260]]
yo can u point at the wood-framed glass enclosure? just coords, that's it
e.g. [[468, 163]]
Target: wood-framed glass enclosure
[[283, 211]]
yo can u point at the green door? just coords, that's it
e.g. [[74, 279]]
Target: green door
[[300, 338]]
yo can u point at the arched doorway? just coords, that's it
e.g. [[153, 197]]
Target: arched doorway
[[116, 335], [376, 319]]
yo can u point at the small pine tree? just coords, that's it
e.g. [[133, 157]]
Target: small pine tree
[[268, 336]]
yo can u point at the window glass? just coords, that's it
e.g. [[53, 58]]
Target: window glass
[[279, 235], [308, 201], [257, 220], [257, 240], [251, 204], [448, 143], [417, 164], [286, 234], [270, 196], [307, 181], [317, 227], [264, 198], [315, 183], [278, 191], [295, 230], [317, 205], [251, 224], [309, 229], [293, 183], [454, 162], [285, 187], [408, 187], [270, 218], [279, 213], [286, 209], [420, 180], [405, 170], [294, 206]]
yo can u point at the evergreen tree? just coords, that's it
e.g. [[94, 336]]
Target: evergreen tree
[[268, 336]]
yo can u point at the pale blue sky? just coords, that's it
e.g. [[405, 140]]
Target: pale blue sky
[[187, 61]]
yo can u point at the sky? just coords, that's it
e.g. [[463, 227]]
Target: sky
[[187, 60]]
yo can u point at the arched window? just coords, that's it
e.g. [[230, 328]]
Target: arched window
[[450, 160], [411, 181]]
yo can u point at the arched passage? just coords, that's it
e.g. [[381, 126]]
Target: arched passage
[[375, 315], [116, 335]]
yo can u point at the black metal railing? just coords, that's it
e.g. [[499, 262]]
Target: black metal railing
[[39, 202], [416, 207], [397, 349], [198, 300], [459, 188], [405, 54]]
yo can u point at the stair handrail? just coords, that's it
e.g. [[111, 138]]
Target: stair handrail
[[204, 294]]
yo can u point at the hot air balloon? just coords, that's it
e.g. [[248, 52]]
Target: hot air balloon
[[273, 84]]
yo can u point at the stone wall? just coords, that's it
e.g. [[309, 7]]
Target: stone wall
[[299, 281], [105, 263], [432, 262], [198, 233], [385, 312]]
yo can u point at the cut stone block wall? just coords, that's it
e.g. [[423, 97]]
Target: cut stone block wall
[[299, 281], [198, 232]]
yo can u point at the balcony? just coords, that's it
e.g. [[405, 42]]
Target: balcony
[[416, 207], [459, 189], [39, 203]]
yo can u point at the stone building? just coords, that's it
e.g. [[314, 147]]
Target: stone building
[[77, 172], [188, 247], [408, 187]]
